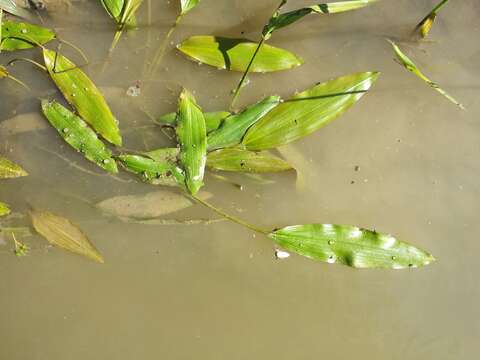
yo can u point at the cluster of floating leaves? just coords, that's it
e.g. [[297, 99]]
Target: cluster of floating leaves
[[229, 141]]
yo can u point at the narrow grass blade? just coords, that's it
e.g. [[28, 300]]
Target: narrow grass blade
[[349, 245], [154, 172], [60, 232], [408, 64], [192, 137], [279, 21], [19, 35], [10, 170], [235, 54], [78, 135], [308, 111], [233, 129], [82, 94], [239, 160]]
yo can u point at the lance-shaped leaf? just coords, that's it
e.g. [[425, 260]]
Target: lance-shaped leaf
[[350, 246], [187, 5], [78, 135], [4, 209], [113, 7], [12, 7], [60, 232], [235, 54], [234, 127], [148, 206], [19, 35], [240, 160], [213, 120], [82, 94], [154, 172], [279, 21], [192, 137], [410, 66], [308, 111], [10, 170], [426, 24]]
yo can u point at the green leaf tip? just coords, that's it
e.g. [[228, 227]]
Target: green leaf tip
[[351, 246]]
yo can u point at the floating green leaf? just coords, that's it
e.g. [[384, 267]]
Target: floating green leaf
[[187, 5], [148, 206], [154, 172], [235, 54], [10, 170], [234, 127], [212, 119], [279, 21], [82, 93], [113, 7], [239, 160], [426, 24], [350, 246], [410, 66], [76, 133], [308, 111], [12, 7], [4, 209], [192, 137], [61, 232], [19, 35]]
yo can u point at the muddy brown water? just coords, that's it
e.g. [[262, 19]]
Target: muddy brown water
[[216, 291]]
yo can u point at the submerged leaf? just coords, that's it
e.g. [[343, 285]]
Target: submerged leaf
[[4, 209], [240, 160], [235, 54], [279, 21], [234, 127], [192, 137], [10, 170], [164, 155], [19, 35], [410, 66], [61, 232], [154, 172], [308, 111], [426, 24], [187, 5], [213, 120], [76, 133], [350, 246], [82, 93], [147, 206]]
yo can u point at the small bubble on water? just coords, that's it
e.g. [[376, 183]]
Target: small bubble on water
[[24, 31], [66, 130], [106, 161], [331, 242]]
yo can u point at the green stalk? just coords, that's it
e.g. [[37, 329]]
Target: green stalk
[[231, 217]]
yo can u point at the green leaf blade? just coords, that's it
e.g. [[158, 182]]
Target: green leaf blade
[[78, 135], [239, 160], [234, 127], [235, 54], [10, 170], [351, 246], [81, 93], [13, 32], [192, 137], [308, 111], [4, 209], [113, 7], [213, 120]]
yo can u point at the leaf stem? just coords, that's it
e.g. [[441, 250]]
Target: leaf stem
[[245, 74], [231, 217]]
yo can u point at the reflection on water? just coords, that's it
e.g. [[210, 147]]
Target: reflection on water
[[403, 160]]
